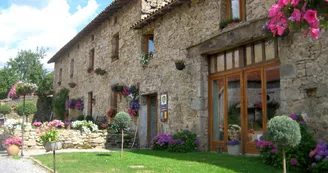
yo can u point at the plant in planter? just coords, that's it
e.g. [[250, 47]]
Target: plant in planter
[[144, 59], [180, 64], [37, 124], [79, 105], [49, 136], [85, 126], [24, 89], [13, 145], [71, 103], [233, 147], [72, 84], [90, 70], [67, 125], [117, 88], [114, 57], [100, 71], [229, 22]]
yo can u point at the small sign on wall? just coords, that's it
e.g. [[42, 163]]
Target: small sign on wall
[[164, 107]]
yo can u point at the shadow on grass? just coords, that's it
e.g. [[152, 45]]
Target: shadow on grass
[[104, 154], [235, 163]]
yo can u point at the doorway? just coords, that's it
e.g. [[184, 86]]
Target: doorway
[[152, 117], [241, 103]]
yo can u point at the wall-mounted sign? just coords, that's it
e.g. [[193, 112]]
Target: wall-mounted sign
[[164, 107]]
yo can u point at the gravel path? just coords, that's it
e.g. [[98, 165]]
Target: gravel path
[[22, 165]]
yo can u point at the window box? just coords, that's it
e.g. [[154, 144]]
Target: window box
[[72, 84], [114, 57]]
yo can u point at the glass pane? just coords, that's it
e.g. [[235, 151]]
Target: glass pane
[[151, 45], [269, 50], [258, 53], [254, 105], [218, 110], [212, 64], [220, 62], [273, 91], [236, 56], [229, 60], [249, 55], [234, 129], [235, 8]]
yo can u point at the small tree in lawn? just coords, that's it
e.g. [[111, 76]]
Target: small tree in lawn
[[285, 132], [122, 120]]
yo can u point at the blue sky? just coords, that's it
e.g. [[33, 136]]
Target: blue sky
[[27, 24]]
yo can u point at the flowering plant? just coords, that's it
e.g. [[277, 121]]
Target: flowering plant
[[234, 131], [233, 142], [79, 105], [67, 123], [161, 141], [71, 103], [37, 124], [13, 141], [320, 157], [10, 124], [251, 131], [48, 131], [297, 15], [21, 88], [85, 126]]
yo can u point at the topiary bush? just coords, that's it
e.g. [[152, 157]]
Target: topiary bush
[[30, 108], [297, 158], [89, 118], [5, 109], [184, 141], [285, 132], [122, 120], [161, 141], [80, 118]]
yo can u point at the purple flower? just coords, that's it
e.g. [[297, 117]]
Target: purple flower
[[134, 105], [321, 153], [178, 141], [274, 150], [301, 122], [196, 142], [198, 148], [293, 161], [293, 116], [326, 152], [317, 157], [233, 142], [314, 164]]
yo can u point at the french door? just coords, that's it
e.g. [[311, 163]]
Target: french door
[[241, 102]]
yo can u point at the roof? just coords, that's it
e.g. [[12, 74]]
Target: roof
[[157, 13], [105, 14]]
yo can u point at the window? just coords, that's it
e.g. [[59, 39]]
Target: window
[[91, 101], [78, 46], [92, 37], [235, 9], [150, 47], [115, 46], [92, 59], [72, 68], [60, 76]]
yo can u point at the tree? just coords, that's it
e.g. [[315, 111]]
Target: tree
[[285, 132], [27, 65], [7, 79], [122, 120], [45, 87], [30, 108]]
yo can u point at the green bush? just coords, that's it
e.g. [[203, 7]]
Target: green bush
[[297, 158], [30, 108], [59, 103], [184, 141], [122, 119], [89, 118], [80, 118], [5, 109]]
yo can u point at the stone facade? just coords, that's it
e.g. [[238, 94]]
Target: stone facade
[[189, 32]]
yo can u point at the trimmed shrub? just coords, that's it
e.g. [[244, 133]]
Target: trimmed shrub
[[80, 118], [122, 120], [5, 109], [89, 118], [297, 158], [30, 108], [161, 141], [184, 141]]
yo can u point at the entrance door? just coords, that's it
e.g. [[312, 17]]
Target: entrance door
[[241, 103], [152, 107]]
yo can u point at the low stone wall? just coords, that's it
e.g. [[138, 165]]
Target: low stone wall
[[73, 139]]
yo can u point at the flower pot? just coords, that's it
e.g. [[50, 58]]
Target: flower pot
[[72, 84], [13, 150], [51, 146], [179, 66], [233, 149]]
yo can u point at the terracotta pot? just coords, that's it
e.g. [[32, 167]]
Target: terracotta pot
[[13, 150], [179, 66], [51, 146]]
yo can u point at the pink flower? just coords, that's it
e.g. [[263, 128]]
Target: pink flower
[[315, 32], [311, 16], [293, 161], [283, 3], [132, 112], [295, 2], [312, 153], [297, 15], [326, 0], [280, 29], [274, 10], [315, 24]]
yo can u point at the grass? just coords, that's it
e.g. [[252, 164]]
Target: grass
[[147, 161]]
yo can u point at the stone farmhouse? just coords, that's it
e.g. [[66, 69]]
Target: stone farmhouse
[[237, 75]]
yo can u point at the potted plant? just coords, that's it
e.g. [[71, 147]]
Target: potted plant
[[180, 64], [13, 145], [90, 70], [50, 140], [117, 88], [25, 88], [233, 147], [37, 124], [114, 56], [68, 125], [229, 22], [100, 71], [72, 84], [144, 59]]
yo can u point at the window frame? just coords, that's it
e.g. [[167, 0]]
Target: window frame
[[92, 58], [147, 38], [115, 46], [71, 75], [241, 9]]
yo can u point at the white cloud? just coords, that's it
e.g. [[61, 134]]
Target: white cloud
[[51, 26]]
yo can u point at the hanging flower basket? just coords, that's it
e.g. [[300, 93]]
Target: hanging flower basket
[[179, 64], [72, 84], [117, 88], [51, 146], [26, 89]]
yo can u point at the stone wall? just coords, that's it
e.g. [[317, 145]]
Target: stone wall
[[256, 9], [73, 139], [304, 76]]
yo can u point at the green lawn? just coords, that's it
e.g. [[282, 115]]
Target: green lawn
[[146, 161]]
